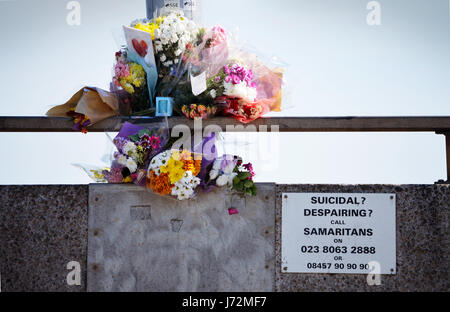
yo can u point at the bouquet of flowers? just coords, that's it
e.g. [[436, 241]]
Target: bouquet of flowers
[[203, 57], [175, 173], [130, 83], [174, 35], [251, 88], [229, 171], [183, 174], [199, 111], [236, 83], [202, 70], [135, 146]]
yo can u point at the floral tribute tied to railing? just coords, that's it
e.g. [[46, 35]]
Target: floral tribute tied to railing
[[169, 65], [145, 157]]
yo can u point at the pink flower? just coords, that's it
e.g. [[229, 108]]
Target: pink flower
[[219, 36], [232, 211], [122, 70], [155, 142], [116, 82], [217, 79], [249, 167]]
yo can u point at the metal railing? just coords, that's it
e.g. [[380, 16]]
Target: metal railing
[[438, 125]]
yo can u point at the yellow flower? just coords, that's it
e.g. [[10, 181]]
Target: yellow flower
[[176, 155], [176, 175], [150, 27], [175, 169], [137, 75], [128, 180], [172, 164], [127, 86]]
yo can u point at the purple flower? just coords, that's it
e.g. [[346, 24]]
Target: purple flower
[[226, 70], [236, 79], [114, 176], [227, 79], [217, 79], [120, 143]]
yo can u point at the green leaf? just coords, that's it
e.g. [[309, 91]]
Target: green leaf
[[240, 186], [244, 175], [248, 184], [236, 180], [134, 138], [143, 132]]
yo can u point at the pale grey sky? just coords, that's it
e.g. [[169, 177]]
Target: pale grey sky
[[338, 65]]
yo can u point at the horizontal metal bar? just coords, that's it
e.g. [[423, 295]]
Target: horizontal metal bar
[[283, 124]]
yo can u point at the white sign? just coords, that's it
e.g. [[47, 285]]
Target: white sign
[[338, 233]]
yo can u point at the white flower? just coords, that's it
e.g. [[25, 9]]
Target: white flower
[[240, 90], [129, 148], [163, 58], [227, 173], [213, 174], [178, 52], [213, 93], [158, 161], [131, 165], [185, 188], [174, 38], [122, 160], [226, 179]]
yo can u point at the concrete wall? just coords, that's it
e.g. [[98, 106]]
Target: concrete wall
[[139, 241], [42, 229]]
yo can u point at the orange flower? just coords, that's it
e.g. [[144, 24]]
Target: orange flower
[[197, 167], [188, 165], [160, 184]]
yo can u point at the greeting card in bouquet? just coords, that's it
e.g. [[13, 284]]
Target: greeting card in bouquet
[[140, 51]]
